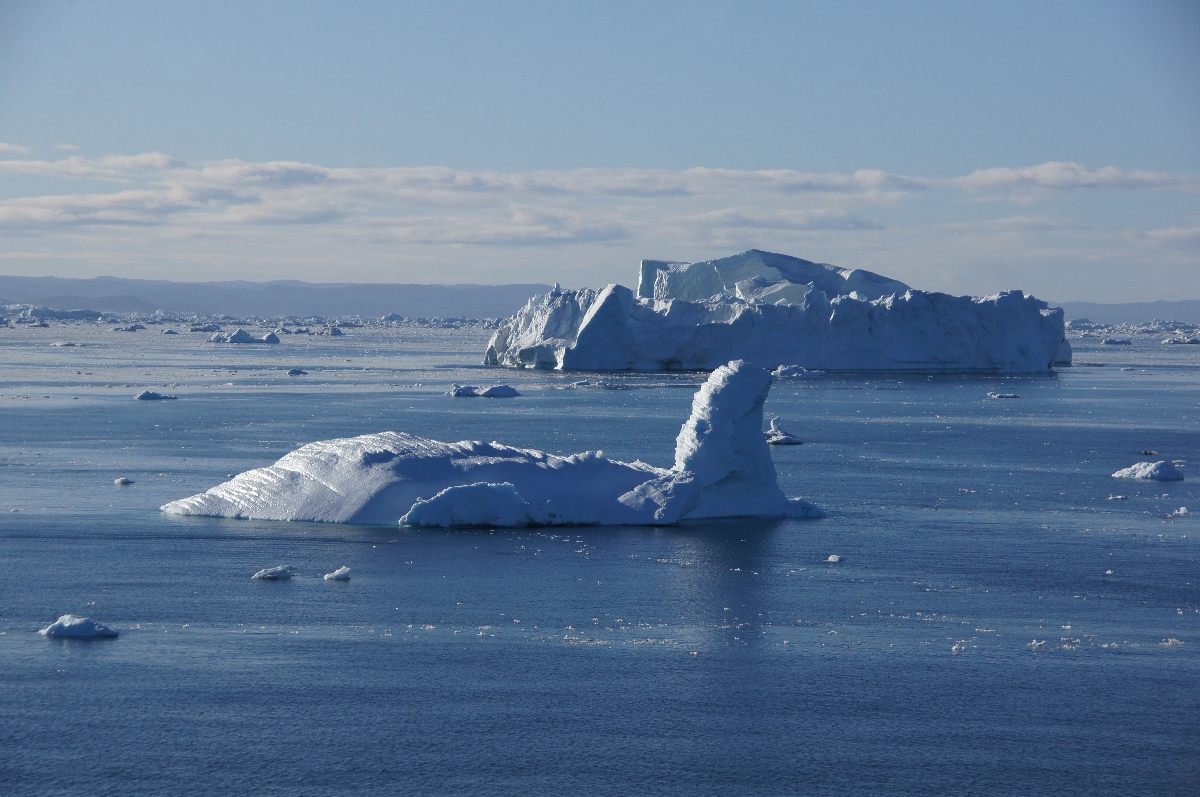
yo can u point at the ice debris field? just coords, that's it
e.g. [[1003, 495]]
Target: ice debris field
[[776, 310], [723, 468]]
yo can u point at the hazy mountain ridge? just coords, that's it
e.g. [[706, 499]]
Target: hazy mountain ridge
[[278, 298]]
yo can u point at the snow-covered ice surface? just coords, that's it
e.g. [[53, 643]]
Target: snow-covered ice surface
[[723, 468], [772, 310], [1163, 471], [71, 626]]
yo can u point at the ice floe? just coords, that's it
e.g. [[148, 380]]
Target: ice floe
[[341, 574], [474, 391], [71, 626], [122, 481], [1162, 471], [281, 573], [769, 309], [150, 395], [722, 468], [834, 558], [1003, 396]]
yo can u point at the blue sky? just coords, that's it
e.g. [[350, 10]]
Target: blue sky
[[960, 147]]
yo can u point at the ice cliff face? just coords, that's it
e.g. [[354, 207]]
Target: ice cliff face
[[723, 468], [773, 310]]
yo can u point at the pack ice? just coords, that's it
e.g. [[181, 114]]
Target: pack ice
[[776, 310], [722, 468]]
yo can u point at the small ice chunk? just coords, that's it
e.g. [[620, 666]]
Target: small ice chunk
[[123, 480], [1180, 512], [834, 558], [474, 391], [170, 332], [793, 371], [341, 574], [297, 372], [65, 344], [776, 436], [1003, 395], [1146, 452], [1118, 498], [71, 626], [1117, 342], [1163, 471], [281, 573], [270, 337], [150, 395]]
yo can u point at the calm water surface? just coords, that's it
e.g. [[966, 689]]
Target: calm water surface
[[1001, 622]]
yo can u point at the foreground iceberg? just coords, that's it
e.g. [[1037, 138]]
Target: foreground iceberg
[[774, 310], [722, 468]]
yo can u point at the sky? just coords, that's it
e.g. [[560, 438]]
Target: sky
[[960, 147]]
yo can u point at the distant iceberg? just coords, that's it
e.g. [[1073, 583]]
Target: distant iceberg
[[150, 395], [770, 310], [1158, 471], [723, 468], [71, 626], [242, 336]]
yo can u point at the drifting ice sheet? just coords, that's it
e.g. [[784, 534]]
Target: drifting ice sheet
[[770, 310], [723, 468]]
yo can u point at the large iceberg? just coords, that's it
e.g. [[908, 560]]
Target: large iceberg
[[722, 468], [775, 310]]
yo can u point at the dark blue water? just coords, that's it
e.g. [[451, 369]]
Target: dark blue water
[[973, 639]]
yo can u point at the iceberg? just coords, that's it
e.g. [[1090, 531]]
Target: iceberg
[[71, 626], [341, 574], [771, 310], [722, 468], [1158, 471], [242, 336], [150, 395]]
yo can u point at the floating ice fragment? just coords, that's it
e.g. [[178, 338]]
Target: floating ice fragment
[[794, 371], [778, 437], [297, 372], [474, 391], [1117, 342], [1037, 643], [242, 336], [1162, 471], [1003, 395], [1180, 512], [123, 481], [1108, 572], [1180, 339], [959, 646], [281, 573], [1117, 498], [341, 574], [835, 558], [150, 395], [1171, 642], [71, 626], [1148, 453], [170, 332]]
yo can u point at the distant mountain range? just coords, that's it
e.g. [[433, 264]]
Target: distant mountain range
[[280, 298], [295, 298], [1187, 311]]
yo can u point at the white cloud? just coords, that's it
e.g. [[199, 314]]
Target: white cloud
[[1065, 176], [67, 147], [1185, 238], [13, 149]]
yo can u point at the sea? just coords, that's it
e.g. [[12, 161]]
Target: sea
[[1001, 616]]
